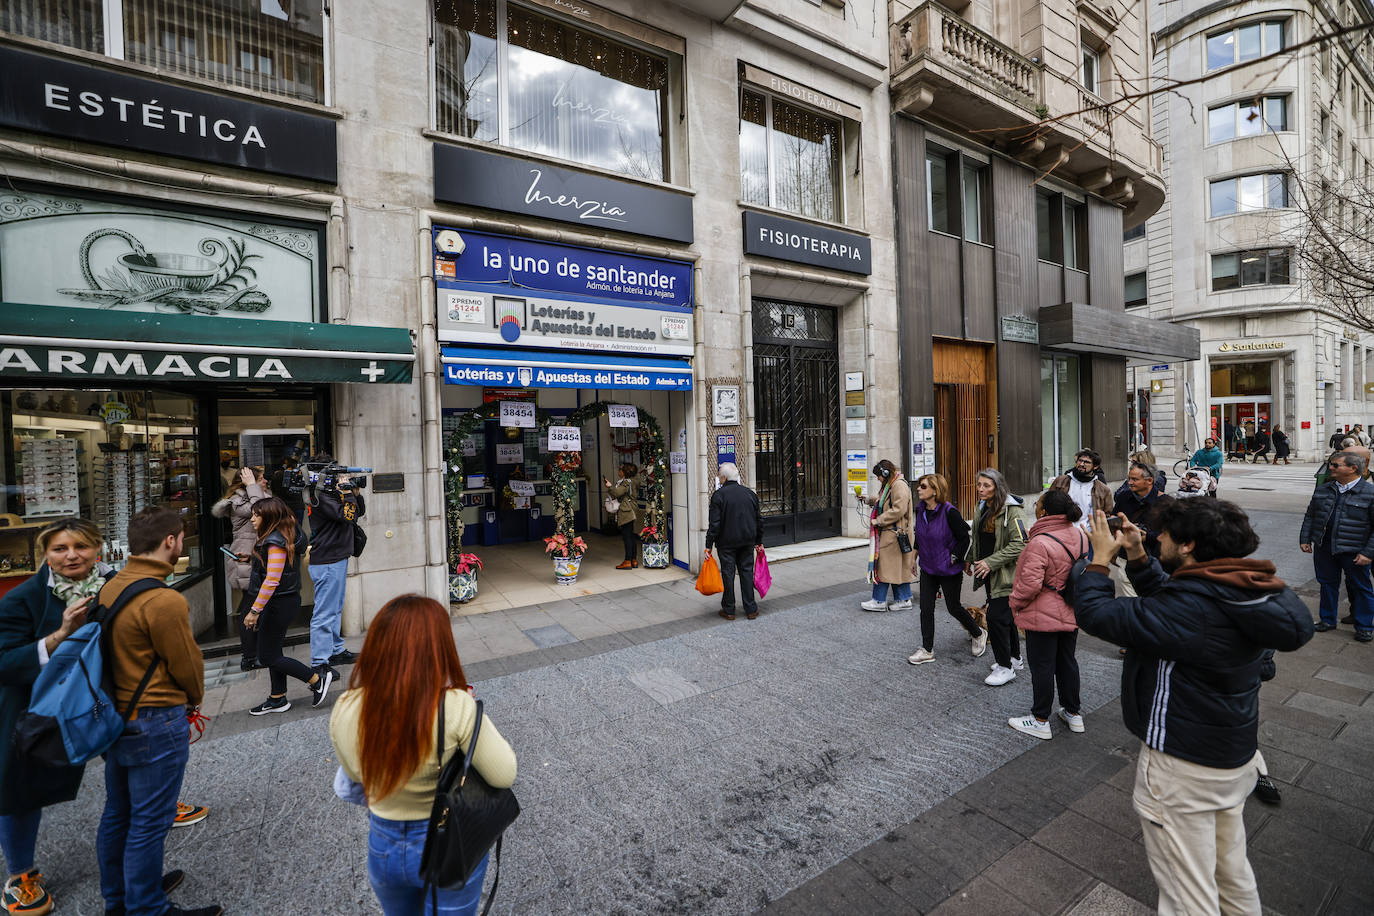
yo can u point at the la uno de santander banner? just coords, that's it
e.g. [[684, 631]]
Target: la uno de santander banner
[[509, 291]]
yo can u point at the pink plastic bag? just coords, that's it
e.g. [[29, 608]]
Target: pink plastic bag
[[763, 579]]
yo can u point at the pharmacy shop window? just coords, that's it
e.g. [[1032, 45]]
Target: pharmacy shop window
[[522, 78], [103, 455]]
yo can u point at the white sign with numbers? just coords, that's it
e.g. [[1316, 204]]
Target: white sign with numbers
[[565, 439], [510, 454], [521, 487], [623, 416], [517, 413]]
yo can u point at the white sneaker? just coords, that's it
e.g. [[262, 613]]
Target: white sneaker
[[979, 644], [900, 605], [1075, 723], [921, 656], [1031, 725], [999, 676], [871, 605], [1017, 664]]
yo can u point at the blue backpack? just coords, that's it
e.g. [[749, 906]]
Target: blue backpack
[[71, 716]]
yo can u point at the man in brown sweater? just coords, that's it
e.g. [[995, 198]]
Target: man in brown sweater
[[144, 768]]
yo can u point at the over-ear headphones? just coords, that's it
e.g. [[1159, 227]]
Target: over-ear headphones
[[881, 471]]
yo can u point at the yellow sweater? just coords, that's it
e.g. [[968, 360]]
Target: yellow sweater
[[413, 801]]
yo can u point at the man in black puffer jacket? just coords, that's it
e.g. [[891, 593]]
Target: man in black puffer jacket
[[1338, 530], [1195, 638]]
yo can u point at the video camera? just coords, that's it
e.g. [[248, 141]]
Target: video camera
[[323, 474]]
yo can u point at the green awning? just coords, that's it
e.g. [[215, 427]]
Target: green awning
[[43, 342]]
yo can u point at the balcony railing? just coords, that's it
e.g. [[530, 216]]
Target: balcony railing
[[932, 31], [1094, 112]]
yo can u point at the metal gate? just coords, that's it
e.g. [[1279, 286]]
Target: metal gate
[[796, 421]]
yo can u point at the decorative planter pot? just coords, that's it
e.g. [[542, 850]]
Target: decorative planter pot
[[656, 555], [566, 568], [462, 587]]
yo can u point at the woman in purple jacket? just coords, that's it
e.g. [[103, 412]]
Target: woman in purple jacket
[[940, 537]]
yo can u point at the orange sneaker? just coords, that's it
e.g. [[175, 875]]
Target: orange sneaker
[[190, 814], [25, 894]]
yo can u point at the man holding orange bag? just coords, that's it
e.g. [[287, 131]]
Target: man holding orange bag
[[736, 526]]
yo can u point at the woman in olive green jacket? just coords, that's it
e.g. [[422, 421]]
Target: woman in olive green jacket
[[627, 516], [999, 533]]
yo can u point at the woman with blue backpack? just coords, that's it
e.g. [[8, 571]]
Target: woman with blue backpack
[[34, 620]]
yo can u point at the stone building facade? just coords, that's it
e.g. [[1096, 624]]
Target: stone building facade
[[1014, 180], [1243, 150], [354, 224]]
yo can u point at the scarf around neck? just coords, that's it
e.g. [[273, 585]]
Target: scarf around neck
[[69, 591]]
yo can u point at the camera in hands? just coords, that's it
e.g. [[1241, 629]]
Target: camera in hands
[[327, 475]]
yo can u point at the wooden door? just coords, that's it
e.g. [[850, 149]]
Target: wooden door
[[965, 377]]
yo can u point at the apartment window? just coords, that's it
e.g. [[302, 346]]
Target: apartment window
[[1061, 228], [268, 46], [1092, 70], [1262, 267], [1136, 290], [1133, 233], [789, 157], [1247, 118], [977, 201], [1324, 127], [568, 91], [958, 195], [1266, 191], [940, 191], [1246, 42]]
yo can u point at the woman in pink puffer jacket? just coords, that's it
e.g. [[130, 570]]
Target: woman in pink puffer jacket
[[1055, 542]]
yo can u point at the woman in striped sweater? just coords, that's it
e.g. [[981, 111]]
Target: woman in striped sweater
[[275, 588]]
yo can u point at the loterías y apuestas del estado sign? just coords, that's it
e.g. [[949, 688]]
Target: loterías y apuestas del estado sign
[[96, 104]]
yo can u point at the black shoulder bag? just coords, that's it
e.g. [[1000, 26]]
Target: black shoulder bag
[[468, 817], [1078, 564]]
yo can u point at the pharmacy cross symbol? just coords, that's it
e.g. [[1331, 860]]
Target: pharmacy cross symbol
[[371, 371]]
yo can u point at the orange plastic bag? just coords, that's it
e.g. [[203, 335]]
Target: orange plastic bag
[[708, 580]]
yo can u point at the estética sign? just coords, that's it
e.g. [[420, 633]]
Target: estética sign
[[82, 102], [805, 243], [463, 175]]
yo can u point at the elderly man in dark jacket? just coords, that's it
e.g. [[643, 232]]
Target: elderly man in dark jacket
[[1140, 499], [736, 526], [1338, 530], [1196, 637]]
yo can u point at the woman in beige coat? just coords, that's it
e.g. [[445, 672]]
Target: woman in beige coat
[[627, 516], [888, 566], [247, 490]]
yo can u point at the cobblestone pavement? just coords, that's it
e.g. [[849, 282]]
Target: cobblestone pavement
[[794, 763]]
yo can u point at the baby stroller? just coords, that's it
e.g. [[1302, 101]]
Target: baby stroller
[[1196, 482]]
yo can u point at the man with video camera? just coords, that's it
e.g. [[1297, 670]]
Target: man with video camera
[[334, 502]]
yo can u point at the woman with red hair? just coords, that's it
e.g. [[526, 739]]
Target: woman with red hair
[[383, 729]]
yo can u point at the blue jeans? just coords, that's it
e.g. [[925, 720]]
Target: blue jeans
[[325, 640], [18, 838], [1329, 568], [143, 773], [393, 869], [900, 592]]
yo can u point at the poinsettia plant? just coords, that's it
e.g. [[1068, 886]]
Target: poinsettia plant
[[467, 563], [564, 546], [653, 534]]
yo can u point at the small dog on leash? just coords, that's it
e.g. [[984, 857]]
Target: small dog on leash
[[979, 615]]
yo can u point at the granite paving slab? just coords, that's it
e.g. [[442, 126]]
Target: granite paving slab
[[708, 772]]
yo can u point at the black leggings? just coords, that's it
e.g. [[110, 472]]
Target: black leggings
[[950, 585], [627, 531], [1002, 635], [272, 624], [1051, 659]]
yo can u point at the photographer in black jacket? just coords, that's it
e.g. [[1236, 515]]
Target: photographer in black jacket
[[737, 527], [1195, 637], [334, 513]]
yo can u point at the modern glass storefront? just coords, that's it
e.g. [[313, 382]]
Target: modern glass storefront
[[1061, 414], [1241, 396]]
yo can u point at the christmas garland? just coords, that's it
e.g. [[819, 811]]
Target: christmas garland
[[654, 458]]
